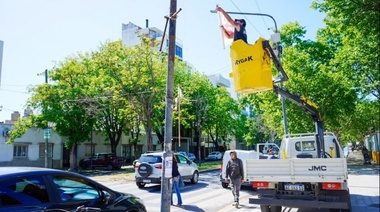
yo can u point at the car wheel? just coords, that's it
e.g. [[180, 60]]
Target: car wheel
[[195, 177], [144, 170], [83, 166], [224, 185], [140, 185], [109, 167]]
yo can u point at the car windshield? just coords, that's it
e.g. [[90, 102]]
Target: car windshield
[[150, 159]]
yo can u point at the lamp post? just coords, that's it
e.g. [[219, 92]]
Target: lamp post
[[279, 52]]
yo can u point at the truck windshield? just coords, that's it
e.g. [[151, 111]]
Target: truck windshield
[[305, 146]]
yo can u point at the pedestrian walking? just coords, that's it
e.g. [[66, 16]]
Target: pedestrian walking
[[235, 173], [176, 177]]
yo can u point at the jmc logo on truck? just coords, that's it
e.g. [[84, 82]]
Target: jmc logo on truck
[[318, 168]]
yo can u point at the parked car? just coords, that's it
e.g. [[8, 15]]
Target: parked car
[[42, 189], [214, 156], [149, 166], [191, 156], [183, 153], [134, 162], [108, 160]]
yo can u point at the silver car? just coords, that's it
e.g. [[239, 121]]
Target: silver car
[[214, 156], [149, 166]]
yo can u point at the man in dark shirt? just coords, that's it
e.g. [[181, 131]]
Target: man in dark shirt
[[239, 25], [235, 172], [271, 154]]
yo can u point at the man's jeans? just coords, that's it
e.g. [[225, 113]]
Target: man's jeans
[[236, 184]]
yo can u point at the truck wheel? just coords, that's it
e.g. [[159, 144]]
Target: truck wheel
[[224, 185], [109, 167], [264, 208], [140, 185], [275, 208]]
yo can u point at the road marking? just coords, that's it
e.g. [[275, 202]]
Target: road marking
[[227, 208]]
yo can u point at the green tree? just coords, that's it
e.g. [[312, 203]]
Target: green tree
[[62, 103]]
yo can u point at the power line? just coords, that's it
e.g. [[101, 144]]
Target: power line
[[262, 18], [247, 18], [23, 92]]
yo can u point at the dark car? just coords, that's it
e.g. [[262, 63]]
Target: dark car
[[41, 189], [104, 159]]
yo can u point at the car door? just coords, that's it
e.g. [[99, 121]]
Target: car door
[[25, 193], [184, 166], [74, 191]]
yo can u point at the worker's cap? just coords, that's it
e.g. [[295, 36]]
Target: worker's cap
[[241, 21]]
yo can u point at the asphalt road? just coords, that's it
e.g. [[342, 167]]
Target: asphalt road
[[208, 195]]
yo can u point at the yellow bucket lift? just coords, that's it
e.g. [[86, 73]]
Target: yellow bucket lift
[[251, 67]]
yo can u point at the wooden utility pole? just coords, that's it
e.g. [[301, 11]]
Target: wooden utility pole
[[167, 155]]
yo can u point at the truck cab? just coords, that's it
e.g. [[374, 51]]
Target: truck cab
[[304, 145]]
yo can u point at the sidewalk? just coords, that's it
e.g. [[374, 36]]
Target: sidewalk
[[355, 164], [363, 183]]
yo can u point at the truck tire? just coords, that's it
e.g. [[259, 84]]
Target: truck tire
[[275, 208], [267, 208], [343, 210], [140, 185], [264, 208]]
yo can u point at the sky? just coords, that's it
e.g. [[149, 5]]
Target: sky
[[38, 34]]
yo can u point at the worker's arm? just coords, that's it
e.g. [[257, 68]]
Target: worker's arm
[[228, 35], [228, 17]]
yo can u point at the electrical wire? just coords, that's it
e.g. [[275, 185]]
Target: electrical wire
[[247, 19], [262, 18]]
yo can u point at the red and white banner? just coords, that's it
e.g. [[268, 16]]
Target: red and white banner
[[229, 29]]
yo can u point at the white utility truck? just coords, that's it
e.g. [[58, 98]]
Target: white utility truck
[[311, 170], [299, 178]]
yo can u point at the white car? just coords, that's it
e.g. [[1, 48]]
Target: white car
[[149, 166], [214, 156]]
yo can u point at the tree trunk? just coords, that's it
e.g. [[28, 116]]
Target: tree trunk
[[73, 158]]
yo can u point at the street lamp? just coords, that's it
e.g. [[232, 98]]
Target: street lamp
[[275, 39]]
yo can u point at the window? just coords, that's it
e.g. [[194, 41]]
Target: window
[[42, 150], [20, 151], [74, 189], [181, 159], [305, 146], [178, 51], [25, 190]]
